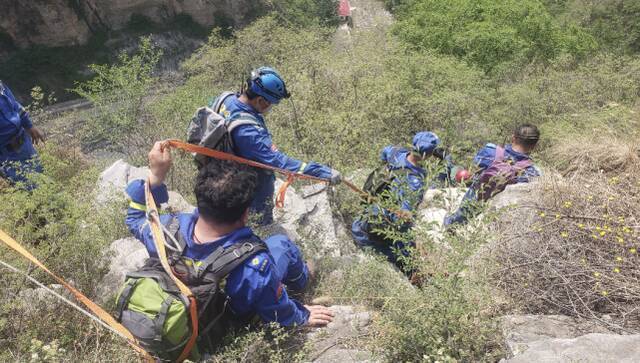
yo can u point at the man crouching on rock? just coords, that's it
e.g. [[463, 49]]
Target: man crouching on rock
[[224, 191]]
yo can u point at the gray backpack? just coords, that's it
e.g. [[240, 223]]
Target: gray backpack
[[212, 130]]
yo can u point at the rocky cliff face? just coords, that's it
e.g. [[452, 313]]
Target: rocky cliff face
[[71, 22], [50, 23]]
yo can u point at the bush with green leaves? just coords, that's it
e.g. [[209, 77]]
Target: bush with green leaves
[[492, 35], [117, 93], [614, 23]]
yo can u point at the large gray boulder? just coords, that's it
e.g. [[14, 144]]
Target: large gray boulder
[[308, 219], [114, 180], [557, 338]]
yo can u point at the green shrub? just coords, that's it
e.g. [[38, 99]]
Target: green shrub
[[488, 34], [612, 22], [117, 92]]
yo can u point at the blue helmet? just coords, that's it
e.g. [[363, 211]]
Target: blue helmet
[[425, 142], [266, 82]]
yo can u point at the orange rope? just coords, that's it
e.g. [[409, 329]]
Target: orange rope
[[159, 242], [291, 176], [95, 308]]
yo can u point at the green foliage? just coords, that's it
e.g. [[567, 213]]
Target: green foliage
[[614, 23], [305, 13], [488, 34], [117, 92], [60, 224], [346, 105]]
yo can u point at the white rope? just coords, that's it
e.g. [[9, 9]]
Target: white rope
[[62, 298]]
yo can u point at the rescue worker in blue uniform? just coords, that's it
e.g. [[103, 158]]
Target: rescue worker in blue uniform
[[18, 157], [224, 191], [260, 92], [523, 142], [407, 190]]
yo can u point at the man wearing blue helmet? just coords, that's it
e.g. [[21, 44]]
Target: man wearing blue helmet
[[402, 185], [252, 140]]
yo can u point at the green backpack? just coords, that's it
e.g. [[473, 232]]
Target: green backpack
[[151, 307]]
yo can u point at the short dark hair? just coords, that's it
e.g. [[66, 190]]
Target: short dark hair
[[224, 190], [527, 135]]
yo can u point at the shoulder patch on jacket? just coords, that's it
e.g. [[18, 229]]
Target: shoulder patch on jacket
[[259, 262]]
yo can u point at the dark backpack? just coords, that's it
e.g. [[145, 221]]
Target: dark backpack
[[498, 175], [380, 179], [152, 308], [211, 129]]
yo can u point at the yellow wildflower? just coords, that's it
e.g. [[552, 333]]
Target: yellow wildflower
[[602, 233], [620, 240], [605, 293], [619, 259], [616, 270], [596, 274], [632, 250], [557, 216], [542, 214], [564, 234], [580, 225]]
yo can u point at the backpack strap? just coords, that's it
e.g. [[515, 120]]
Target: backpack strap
[[499, 154], [240, 119], [123, 299], [234, 255], [158, 321], [220, 100], [523, 164]]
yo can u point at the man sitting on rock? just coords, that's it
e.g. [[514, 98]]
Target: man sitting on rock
[[398, 184], [498, 167], [224, 191]]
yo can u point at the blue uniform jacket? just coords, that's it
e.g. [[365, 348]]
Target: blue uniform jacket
[[254, 287], [487, 154], [254, 143], [13, 117], [410, 189]]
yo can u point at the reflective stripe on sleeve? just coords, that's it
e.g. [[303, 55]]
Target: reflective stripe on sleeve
[[137, 206], [302, 167]]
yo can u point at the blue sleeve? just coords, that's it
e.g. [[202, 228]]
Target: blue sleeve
[[257, 290], [25, 120], [485, 156], [136, 219], [254, 143], [288, 261]]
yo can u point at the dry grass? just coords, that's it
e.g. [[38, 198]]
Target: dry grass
[[577, 251]]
